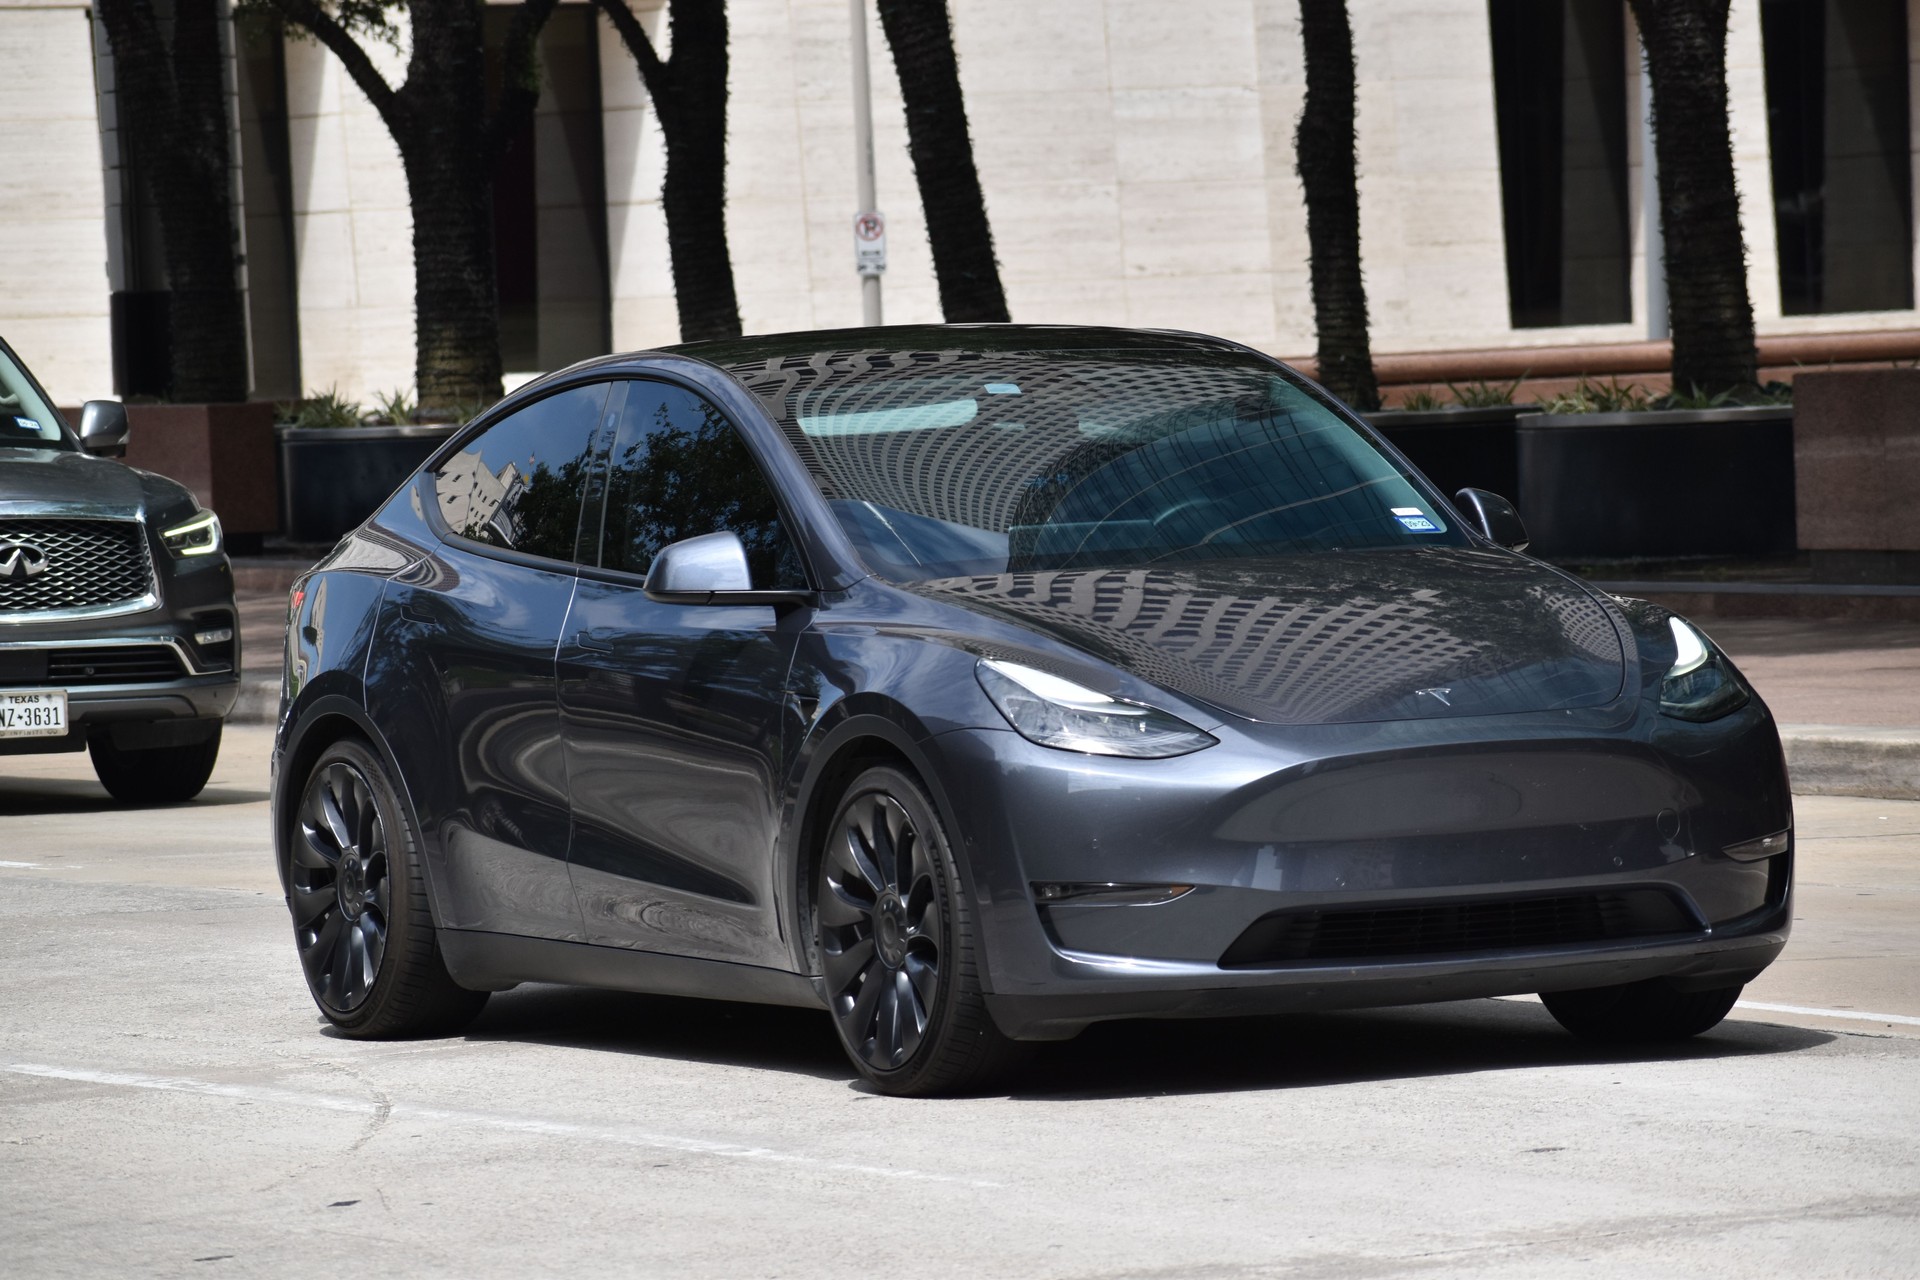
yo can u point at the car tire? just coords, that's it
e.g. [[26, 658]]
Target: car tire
[[153, 775], [359, 903], [896, 942], [1640, 1012]]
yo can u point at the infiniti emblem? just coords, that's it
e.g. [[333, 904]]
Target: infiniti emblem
[[1439, 694], [19, 561]]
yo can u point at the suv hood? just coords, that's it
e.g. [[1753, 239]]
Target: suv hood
[[52, 482], [1332, 637]]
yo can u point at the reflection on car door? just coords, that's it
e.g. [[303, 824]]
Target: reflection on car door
[[672, 713], [473, 629]]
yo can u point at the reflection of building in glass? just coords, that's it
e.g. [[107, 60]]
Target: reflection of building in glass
[[1281, 660], [475, 501], [1034, 451]]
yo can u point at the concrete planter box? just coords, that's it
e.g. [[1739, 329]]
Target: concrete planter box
[[1696, 482], [335, 477], [222, 452], [1857, 467], [1458, 448]]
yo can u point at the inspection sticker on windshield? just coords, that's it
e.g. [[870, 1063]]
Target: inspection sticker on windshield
[[27, 424], [33, 713], [1414, 518]]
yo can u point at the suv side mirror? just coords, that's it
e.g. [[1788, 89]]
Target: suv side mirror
[[711, 569], [104, 429], [1494, 516]]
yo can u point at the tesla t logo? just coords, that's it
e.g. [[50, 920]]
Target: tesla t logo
[[1438, 695], [18, 562]]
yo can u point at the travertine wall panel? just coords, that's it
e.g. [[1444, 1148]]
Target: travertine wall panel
[[352, 228], [53, 242]]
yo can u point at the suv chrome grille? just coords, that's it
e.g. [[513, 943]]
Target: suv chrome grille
[[92, 567]]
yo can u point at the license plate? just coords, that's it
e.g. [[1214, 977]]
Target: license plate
[[33, 713]]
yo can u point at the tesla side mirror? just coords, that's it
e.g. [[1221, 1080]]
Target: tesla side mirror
[[1494, 516], [103, 428], [711, 569]]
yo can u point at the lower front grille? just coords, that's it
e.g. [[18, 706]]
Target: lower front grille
[[113, 664], [1451, 928]]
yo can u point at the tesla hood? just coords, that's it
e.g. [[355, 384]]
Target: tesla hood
[[1332, 637]]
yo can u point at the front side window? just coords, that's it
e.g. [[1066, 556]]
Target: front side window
[[679, 470], [26, 420], [518, 484], [944, 464]]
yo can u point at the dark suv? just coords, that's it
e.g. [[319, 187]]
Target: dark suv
[[117, 624]]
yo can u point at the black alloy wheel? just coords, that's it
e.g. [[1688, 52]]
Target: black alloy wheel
[[361, 921], [342, 886], [896, 946]]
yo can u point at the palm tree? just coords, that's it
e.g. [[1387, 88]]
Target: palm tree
[[689, 93], [921, 37], [173, 110], [1323, 157], [1709, 314], [449, 144]]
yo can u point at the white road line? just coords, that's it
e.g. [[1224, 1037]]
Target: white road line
[[1853, 1015], [513, 1124], [19, 864]]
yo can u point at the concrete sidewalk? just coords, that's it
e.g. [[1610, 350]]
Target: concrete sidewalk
[[1846, 692]]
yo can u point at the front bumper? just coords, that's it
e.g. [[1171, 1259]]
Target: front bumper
[[1363, 818], [203, 687]]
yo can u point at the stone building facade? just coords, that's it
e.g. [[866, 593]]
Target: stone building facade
[[1137, 160]]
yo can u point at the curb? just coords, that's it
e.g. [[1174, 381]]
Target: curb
[[259, 699], [1851, 760]]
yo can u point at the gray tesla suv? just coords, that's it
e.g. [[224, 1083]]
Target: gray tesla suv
[[118, 633]]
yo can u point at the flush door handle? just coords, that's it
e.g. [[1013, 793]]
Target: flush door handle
[[598, 640]]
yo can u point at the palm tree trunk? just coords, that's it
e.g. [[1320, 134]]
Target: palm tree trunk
[[447, 151], [173, 106], [921, 37], [1710, 316], [689, 95], [1323, 157]]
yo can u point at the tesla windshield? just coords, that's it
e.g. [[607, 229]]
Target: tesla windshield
[[26, 420], [954, 463]]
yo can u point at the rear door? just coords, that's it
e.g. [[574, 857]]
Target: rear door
[[462, 673], [673, 712]]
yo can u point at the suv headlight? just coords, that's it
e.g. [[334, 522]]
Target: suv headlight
[[1059, 713], [1699, 686], [199, 536]]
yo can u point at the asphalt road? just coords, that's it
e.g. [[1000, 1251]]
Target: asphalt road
[[171, 1105]]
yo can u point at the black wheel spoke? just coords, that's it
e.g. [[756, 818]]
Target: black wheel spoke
[[846, 963], [341, 887], [880, 924]]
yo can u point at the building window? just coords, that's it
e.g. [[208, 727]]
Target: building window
[[1560, 101], [550, 204], [1842, 163]]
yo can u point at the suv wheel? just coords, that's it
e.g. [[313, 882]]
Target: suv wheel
[[153, 775]]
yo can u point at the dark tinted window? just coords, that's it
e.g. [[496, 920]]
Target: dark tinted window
[[949, 463], [517, 485], [679, 470]]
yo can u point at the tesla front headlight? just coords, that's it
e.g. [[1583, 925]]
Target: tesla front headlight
[[199, 536], [1059, 713], [1699, 685]]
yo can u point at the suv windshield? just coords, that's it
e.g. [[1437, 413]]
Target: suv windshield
[[952, 463], [26, 420]]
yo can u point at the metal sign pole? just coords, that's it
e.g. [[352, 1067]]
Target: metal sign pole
[[869, 228]]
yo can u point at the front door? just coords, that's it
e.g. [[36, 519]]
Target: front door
[[465, 653], [673, 713]]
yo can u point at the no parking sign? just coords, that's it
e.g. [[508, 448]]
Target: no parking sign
[[870, 243]]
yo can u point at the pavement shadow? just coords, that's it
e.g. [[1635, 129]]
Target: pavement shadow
[[1130, 1059], [1124, 1059], [38, 796], [767, 1037]]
